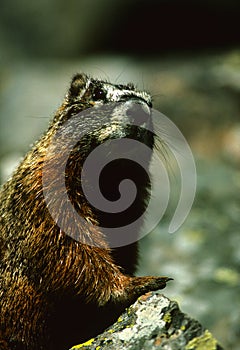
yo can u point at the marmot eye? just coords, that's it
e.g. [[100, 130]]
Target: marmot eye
[[99, 94]]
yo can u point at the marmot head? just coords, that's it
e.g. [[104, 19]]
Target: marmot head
[[109, 122], [110, 111]]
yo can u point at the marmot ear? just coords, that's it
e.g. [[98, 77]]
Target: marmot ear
[[78, 83]]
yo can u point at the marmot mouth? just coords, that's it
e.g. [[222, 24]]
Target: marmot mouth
[[140, 126], [131, 117], [138, 112]]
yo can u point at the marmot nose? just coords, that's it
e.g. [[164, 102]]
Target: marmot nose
[[138, 112]]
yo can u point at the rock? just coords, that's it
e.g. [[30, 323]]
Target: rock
[[153, 322]]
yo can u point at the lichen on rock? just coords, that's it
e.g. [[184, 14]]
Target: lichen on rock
[[153, 322]]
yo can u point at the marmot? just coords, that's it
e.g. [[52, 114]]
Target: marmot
[[57, 291]]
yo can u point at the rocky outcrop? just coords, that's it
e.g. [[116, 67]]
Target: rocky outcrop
[[153, 322]]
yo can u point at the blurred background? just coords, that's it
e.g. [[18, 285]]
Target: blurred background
[[187, 54]]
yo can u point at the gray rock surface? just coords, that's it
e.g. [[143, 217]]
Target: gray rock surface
[[153, 322]]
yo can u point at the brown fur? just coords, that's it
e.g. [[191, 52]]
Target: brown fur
[[56, 291]]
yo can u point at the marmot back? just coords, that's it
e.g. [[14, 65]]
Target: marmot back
[[63, 281]]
